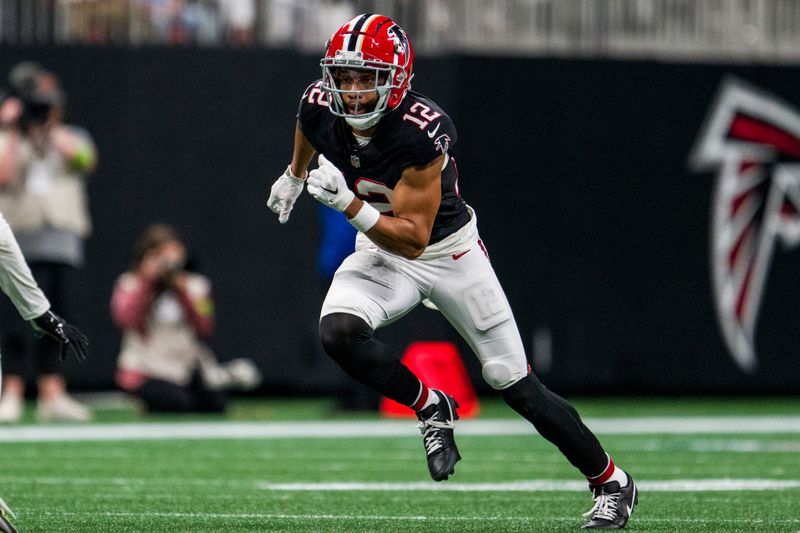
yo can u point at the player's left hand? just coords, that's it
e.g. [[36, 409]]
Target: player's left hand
[[70, 337], [327, 185]]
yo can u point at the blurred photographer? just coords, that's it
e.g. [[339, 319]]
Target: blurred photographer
[[43, 169], [166, 313]]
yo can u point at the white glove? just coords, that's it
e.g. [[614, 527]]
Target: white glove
[[244, 373], [327, 185], [238, 373], [283, 194]]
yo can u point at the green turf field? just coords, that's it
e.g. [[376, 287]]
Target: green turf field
[[737, 469]]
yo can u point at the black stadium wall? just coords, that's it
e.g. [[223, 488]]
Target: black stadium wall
[[578, 169]]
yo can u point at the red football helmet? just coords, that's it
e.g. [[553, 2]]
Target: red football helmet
[[368, 43]]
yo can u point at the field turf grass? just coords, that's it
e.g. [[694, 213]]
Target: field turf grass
[[506, 483]]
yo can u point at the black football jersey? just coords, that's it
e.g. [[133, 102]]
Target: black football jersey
[[413, 134]]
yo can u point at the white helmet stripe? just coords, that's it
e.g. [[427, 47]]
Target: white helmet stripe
[[363, 31], [350, 26]]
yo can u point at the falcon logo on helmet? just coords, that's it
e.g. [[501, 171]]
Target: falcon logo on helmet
[[397, 35], [374, 44]]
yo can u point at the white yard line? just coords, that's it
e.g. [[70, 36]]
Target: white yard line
[[384, 428], [411, 518], [538, 485], [542, 485]]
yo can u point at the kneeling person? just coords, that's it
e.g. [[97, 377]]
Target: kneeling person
[[166, 314]]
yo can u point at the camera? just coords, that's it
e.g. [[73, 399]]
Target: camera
[[37, 89], [171, 266], [34, 112]]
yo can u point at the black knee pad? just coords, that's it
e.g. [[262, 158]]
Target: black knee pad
[[351, 342], [342, 334]]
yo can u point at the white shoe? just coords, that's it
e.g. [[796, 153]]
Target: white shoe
[[10, 408], [62, 407], [6, 515]]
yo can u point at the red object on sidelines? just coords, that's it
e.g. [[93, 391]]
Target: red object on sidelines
[[439, 366]]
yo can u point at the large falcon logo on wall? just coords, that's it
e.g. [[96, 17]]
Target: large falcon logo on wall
[[752, 139]]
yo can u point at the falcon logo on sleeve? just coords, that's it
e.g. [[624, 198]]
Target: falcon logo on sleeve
[[752, 139], [442, 143]]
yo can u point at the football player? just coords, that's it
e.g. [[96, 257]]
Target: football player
[[18, 284], [386, 161]]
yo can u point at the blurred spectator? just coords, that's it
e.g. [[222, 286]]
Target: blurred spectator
[[306, 24], [280, 22], [239, 19], [163, 19], [204, 22], [201, 21], [319, 19], [166, 313], [43, 166], [97, 21], [302, 23]]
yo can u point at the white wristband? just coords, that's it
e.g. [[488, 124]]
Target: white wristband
[[366, 217]]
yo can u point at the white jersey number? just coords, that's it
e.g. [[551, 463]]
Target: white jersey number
[[427, 114], [317, 96], [375, 193]]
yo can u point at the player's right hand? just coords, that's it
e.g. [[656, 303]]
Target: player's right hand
[[284, 193]]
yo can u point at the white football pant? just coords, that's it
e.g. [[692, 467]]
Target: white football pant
[[456, 276]]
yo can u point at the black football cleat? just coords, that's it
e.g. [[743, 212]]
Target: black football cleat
[[436, 423], [6, 515], [612, 505]]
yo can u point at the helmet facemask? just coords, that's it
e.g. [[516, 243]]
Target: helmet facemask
[[385, 80]]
